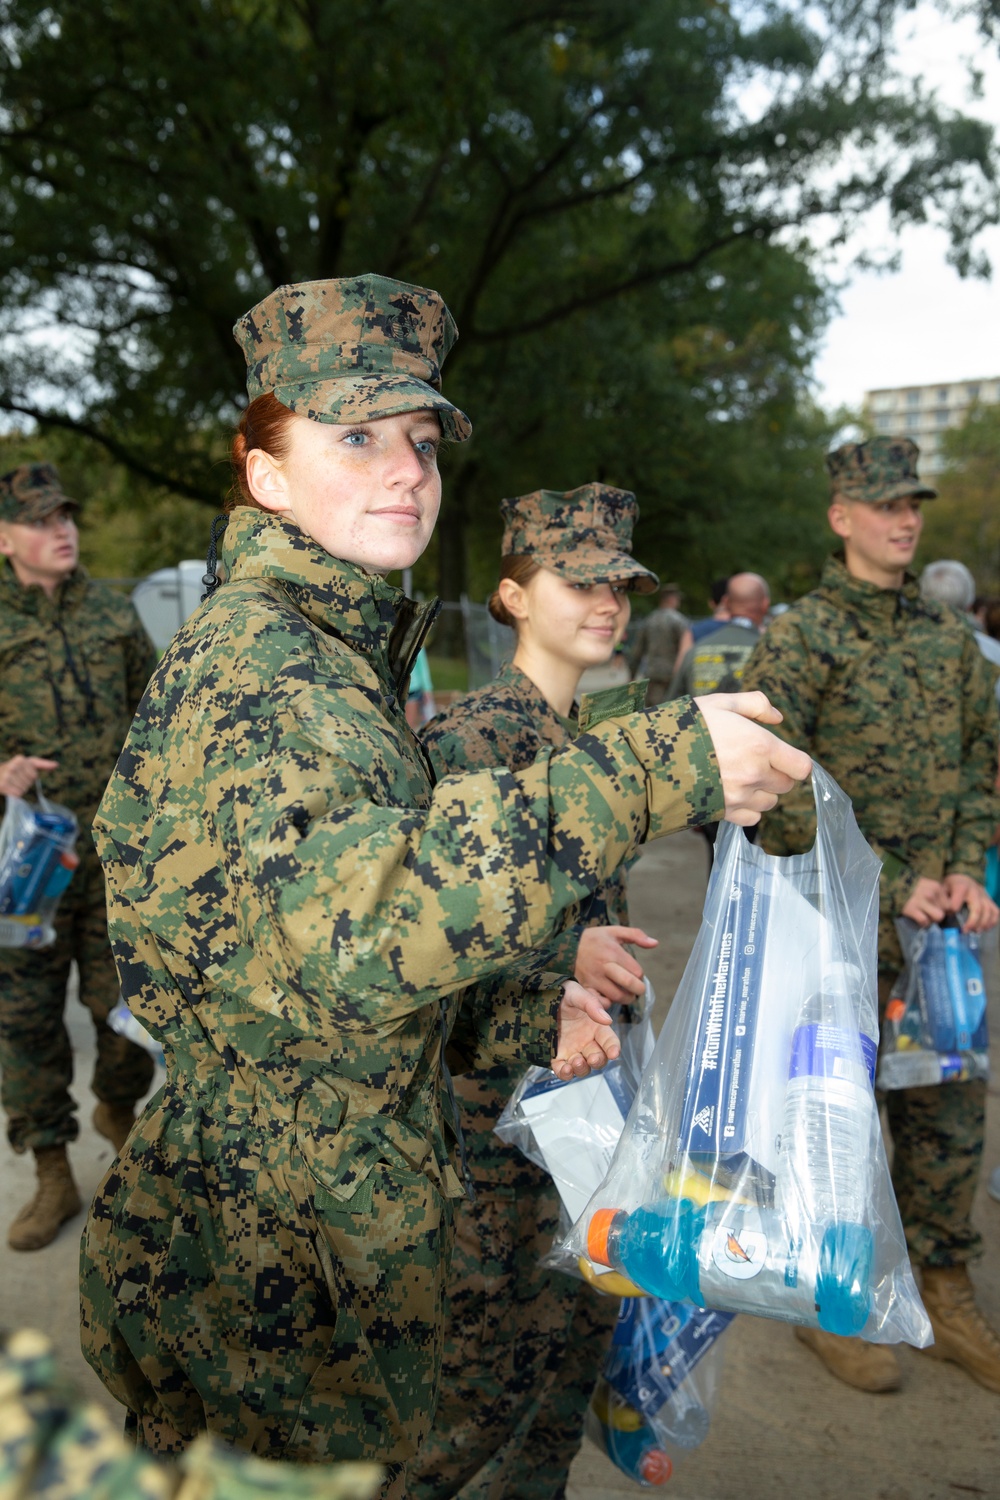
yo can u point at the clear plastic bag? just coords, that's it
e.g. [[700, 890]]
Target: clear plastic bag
[[935, 1022], [570, 1130], [751, 1175], [37, 860], [654, 1398]]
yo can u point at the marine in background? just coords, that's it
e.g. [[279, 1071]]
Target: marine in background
[[891, 694], [74, 661]]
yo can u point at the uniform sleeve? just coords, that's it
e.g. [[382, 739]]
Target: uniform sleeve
[[791, 672], [510, 1018], [381, 908], [978, 808]]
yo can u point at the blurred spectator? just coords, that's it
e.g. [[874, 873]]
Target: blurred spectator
[[715, 663], [659, 643], [720, 609]]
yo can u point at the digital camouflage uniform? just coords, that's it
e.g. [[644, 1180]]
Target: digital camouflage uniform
[[72, 669], [654, 649], [717, 663], [56, 1446], [523, 1345], [893, 698], [296, 910]]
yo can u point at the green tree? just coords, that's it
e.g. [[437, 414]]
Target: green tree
[[609, 193], [964, 521]]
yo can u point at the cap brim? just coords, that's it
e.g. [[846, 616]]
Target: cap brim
[[364, 398], [37, 510], [591, 565], [896, 492]]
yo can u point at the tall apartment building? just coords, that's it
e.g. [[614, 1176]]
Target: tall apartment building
[[922, 412]]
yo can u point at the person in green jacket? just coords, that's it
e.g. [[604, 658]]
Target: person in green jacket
[[524, 1345], [892, 696], [318, 934], [74, 660]]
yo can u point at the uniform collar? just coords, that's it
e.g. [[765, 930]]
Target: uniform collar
[[865, 598], [541, 709], [33, 600], [357, 607]]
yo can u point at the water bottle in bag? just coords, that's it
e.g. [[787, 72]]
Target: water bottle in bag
[[739, 1257], [827, 1149]]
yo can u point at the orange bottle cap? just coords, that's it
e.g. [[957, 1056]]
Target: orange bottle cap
[[895, 1010], [655, 1466], [597, 1235]]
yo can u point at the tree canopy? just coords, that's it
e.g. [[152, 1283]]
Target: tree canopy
[[612, 196]]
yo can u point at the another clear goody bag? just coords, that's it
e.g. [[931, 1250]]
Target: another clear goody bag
[[751, 1174], [656, 1391], [37, 860], [935, 1021]]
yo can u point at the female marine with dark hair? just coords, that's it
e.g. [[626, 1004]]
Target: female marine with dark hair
[[296, 910]]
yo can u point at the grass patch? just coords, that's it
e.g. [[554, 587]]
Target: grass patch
[[449, 673]]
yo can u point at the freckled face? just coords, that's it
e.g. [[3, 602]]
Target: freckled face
[[368, 493], [42, 552], [579, 623]]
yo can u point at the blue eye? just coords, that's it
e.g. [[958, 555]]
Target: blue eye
[[426, 446], [356, 439]]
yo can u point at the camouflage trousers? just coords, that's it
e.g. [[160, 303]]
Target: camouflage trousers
[[937, 1138], [35, 1054], [523, 1348]]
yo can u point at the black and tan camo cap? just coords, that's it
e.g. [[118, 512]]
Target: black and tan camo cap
[[352, 349], [583, 534], [32, 492], [883, 469]]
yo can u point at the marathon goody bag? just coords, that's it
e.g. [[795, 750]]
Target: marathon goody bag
[[653, 1400], [37, 860], [935, 1021], [751, 1174]]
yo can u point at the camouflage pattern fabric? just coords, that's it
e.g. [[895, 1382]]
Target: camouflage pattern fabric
[[523, 1345], [55, 1446], [892, 696], [295, 909], [35, 1054], [583, 534], [351, 348], [72, 669], [654, 648], [32, 492], [885, 468], [717, 663]]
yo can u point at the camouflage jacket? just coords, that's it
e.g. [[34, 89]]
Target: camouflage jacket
[[72, 669], [893, 698], [294, 907], [54, 1445], [717, 663], [656, 642], [509, 723]]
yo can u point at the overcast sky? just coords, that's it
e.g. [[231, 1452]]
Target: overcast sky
[[923, 323]]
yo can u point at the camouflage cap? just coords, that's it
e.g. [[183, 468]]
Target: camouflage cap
[[32, 492], [885, 468], [584, 534], [351, 349]]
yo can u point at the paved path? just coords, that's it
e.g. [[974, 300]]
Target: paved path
[[782, 1428]]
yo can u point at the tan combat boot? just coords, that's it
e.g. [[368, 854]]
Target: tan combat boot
[[961, 1333], [55, 1201], [868, 1367], [114, 1121]]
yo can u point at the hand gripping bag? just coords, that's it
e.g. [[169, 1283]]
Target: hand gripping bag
[[751, 1174], [37, 860], [935, 1022], [653, 1400]]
